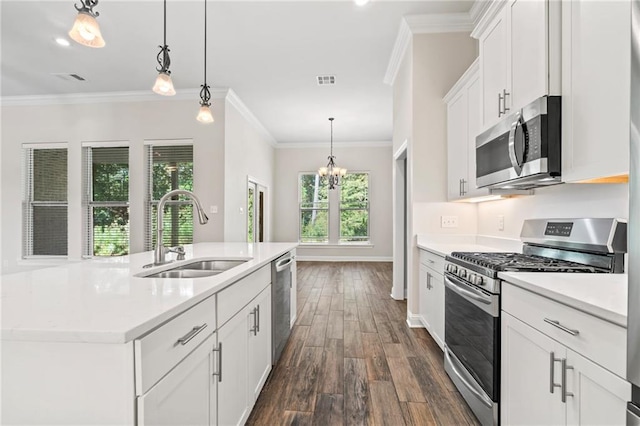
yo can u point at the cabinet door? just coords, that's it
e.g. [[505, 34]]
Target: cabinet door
[[599, 396], [493, 67], [232, 387], [259, 343], [437, 308], [185, 396], [474, 126], [527, 373], [457, 144], [595, 89], [528, 60], [423, 296]]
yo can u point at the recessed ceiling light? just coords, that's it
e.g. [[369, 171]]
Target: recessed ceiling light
[[361, 2], [63, 42]]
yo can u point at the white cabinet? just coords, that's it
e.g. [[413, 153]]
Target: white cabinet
[[559, 365], [431, 295], [519, 55], [596, 54], [464, 116], [186, 395], [259, 343]]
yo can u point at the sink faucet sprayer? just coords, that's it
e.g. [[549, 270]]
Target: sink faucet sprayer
[[161, 251]]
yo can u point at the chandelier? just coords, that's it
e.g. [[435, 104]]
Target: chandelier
[[333, 172], [164, 85], [204, 114]]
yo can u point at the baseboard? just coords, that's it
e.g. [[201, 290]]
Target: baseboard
[[344, 258], [414, 320]]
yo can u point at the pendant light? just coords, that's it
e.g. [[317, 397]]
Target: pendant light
[[164, 85], [332, 171], [204, 114], [86, 30]]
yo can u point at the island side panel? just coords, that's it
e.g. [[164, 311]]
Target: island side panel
[[67, 383]]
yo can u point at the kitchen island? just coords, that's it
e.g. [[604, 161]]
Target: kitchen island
[[89, 342]]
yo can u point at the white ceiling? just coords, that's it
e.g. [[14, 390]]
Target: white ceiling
[[268, 52]]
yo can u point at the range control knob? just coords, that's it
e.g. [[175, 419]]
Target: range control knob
[[462, 273], [472, 278], [478, 280], [452, 268]]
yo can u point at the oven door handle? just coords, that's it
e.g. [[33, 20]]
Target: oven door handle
[[470, 386], [471, 294]]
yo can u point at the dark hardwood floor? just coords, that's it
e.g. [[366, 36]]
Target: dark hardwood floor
[[351, 358]]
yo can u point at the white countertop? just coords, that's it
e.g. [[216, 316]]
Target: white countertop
[[101, 300], [601, 295], [444, 245]]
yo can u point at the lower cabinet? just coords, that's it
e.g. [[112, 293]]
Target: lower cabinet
[[259, 343], [546, 383], [186, 395], [431, 296]]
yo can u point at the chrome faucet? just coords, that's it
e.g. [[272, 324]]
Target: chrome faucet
[[161, 251]]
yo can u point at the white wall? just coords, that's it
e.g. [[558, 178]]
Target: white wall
[[247, 153], [108, 121], [561, 201], [376, 160]]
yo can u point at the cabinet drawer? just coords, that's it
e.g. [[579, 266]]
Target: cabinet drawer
[[601, 341], [159, 351], [432, 260], [233, 298]]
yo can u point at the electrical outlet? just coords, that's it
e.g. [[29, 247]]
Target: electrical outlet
[[449, 221], [213, 209], [500, 222]]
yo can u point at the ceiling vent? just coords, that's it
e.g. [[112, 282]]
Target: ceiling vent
[[326, 80], [68, 77]]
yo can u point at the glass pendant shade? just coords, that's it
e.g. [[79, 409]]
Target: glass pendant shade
[[86, 31], [204, 114], [164, 85], [322, 171]]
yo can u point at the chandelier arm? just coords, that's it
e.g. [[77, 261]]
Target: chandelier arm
[[87, 7]]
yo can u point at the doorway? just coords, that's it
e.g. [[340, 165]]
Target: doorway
[[400, 224], [256, 198]]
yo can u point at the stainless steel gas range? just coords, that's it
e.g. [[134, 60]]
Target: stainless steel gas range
[[472, 295]]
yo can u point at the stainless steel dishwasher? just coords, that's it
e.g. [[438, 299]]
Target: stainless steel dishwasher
[[281, 304]]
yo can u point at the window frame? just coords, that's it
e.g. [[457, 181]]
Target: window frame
[[89, 204], [301, 209], [28, 202], [367, 209]]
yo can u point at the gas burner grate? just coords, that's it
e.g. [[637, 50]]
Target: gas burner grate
[[518, 262]]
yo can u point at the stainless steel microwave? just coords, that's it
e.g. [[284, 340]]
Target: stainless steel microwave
[[522, 151]]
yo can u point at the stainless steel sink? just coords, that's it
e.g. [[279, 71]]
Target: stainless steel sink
[[197, 269], [212, 265]]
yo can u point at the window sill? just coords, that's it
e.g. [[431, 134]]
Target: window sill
[[333, 246], [44, 261]]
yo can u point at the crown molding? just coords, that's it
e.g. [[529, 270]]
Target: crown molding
[[233, 99], [478, 9], [102, 97], [423, 24], [486, 13], [471, 72], [359, 144]]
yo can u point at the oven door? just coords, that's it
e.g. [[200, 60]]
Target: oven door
[[472, 332]]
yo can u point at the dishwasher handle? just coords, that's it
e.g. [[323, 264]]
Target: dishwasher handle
[[283, 264]]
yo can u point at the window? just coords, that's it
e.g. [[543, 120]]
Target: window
[[314, 209], [354, 207], [45, 201], [107, 206], [170, 167]]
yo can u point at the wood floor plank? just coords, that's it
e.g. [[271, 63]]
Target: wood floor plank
[[393, 350], [318, 331], [295, 418], [331, 378], [405, 381], [307, 313], [291, 353], [329, 410], [324, 305], [335, 326], [377, 367], [356, 392], [385, 407], [367, 324], [350, 310], [417, 414], [387, 335], [337, 302], [353, 340], [302, 396]]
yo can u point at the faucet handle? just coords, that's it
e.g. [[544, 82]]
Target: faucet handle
[[179, 250]]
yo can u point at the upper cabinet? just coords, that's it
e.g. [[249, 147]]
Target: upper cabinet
[[596, 55], [464, 115], [519, 55]]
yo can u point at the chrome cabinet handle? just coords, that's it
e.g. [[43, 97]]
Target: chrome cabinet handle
[[219, 372], [563, 389], [254, 328], [191, 334], [258, 319], [500, 112], [428, 281], [566, 329], [552, 361], [463, 192], [504, 101]]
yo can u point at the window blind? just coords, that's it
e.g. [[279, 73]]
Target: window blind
[[45, 202]]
